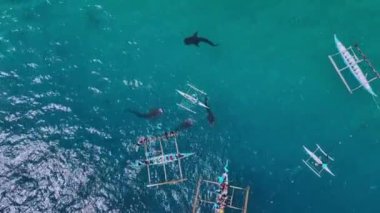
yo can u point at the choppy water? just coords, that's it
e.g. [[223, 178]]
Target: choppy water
[[69, 70]]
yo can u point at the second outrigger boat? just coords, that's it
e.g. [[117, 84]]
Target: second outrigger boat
[[352, 62], [191, 98]]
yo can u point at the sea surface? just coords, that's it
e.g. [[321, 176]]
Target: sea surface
[[71, 69]]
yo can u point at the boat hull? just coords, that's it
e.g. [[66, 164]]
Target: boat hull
[[168, 158], [312, 155]]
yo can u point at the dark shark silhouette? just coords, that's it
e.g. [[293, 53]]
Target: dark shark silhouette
[[154, 113], [210, 115], [195, 40]]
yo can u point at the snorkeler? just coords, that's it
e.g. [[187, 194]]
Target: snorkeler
[[223, 182], [224, 178], [210, 115], [154, 113]]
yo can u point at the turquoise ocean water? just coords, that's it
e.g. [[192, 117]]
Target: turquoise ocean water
[[69, 70]]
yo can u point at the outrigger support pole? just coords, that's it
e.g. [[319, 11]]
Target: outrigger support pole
[[162, 154], [166, 182], [179, 160], [147, 166], [196, 202], [246, 200], [339, 73]]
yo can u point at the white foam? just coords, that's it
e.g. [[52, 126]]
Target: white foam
[[56, 107], [32, 65], [134, 83], [95, 90]]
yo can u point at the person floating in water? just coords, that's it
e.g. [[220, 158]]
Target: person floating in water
[[185, 125], [195, 40], [223, 180], [154, 113], [210, 115]]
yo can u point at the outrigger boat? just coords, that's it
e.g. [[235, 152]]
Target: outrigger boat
[[191, 99], [164, 159], [352, 62], [314, 166], [151, 139], [227, 196], [159, 158]]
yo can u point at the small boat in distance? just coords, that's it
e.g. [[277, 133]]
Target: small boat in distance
[[319, 165]]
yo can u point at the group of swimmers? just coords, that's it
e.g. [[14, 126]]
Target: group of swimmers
[[222, 192], [150, 139]]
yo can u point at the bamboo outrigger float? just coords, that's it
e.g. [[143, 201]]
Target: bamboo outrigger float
[[223, 198], [352, 62], [159, 158]]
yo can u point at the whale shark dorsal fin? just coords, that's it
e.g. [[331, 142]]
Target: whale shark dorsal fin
[[195, 34]]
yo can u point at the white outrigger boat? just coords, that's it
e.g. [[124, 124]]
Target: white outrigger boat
[[191, 99], [164, 159], [159, 158], [352, 62], [315, 162]]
